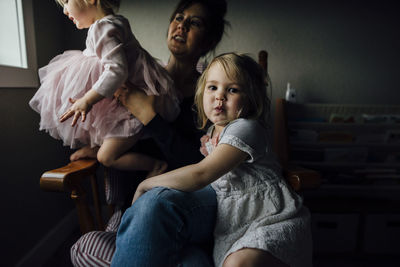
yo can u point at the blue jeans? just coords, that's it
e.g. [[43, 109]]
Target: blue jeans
[[167, 227]]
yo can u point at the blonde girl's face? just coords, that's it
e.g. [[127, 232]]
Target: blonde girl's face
[[82, 13], [223, 98]]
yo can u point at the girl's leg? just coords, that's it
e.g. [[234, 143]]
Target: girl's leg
[[252, 257], [85, 152], [156, 228], [112, 153]]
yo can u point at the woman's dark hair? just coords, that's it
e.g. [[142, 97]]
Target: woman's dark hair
[[215, 20]]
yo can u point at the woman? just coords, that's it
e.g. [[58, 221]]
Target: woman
[[196, 27]]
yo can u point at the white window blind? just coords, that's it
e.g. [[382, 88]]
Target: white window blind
[[17, 47]]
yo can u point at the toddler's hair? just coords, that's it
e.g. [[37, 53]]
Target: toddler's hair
[[249, 75], [108, 6]]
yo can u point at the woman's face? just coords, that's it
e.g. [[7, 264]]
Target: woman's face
[[187, 31]]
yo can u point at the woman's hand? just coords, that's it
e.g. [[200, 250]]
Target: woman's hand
[[137, 102], [79, 108]]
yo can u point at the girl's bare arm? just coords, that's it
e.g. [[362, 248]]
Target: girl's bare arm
[[193, 177]]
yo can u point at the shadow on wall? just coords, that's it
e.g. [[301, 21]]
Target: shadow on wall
[[31, 213]]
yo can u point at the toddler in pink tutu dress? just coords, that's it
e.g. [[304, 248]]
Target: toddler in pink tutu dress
[[78, 87]]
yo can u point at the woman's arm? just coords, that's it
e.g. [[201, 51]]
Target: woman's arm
[[193, 177], [179, 141]]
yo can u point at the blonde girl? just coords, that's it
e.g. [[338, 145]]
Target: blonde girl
[[260, 220], [75, 99]]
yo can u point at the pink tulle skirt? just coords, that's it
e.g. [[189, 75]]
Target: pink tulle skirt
[[71, 75]]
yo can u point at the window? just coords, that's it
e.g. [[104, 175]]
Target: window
[[17, 48]]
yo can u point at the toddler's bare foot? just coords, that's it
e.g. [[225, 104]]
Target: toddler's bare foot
[[159, 167], [84, 152]]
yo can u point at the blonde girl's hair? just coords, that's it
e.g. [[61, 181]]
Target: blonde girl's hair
[[108, 6], [250, 76]]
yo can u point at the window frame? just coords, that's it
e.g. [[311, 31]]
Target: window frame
[[23, 77]]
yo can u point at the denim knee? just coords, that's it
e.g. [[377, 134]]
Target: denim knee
[[152, 209], [152, 202], [160, 223]]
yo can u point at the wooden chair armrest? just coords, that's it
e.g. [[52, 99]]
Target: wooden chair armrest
[[69, 179], [65, 178], [302, 178]]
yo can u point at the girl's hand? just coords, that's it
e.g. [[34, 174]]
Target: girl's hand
[[139, 191], [79, 108]]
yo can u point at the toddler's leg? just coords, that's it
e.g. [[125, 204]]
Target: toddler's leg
[[113, 154], [85, 152], [253, 258]]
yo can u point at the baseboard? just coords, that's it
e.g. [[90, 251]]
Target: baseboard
[[48, 245]]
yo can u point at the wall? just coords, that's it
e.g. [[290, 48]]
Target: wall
[[342, 52], [330, 51], [28, 213]]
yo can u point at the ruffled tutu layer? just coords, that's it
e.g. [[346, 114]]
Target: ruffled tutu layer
[[71, 75]]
